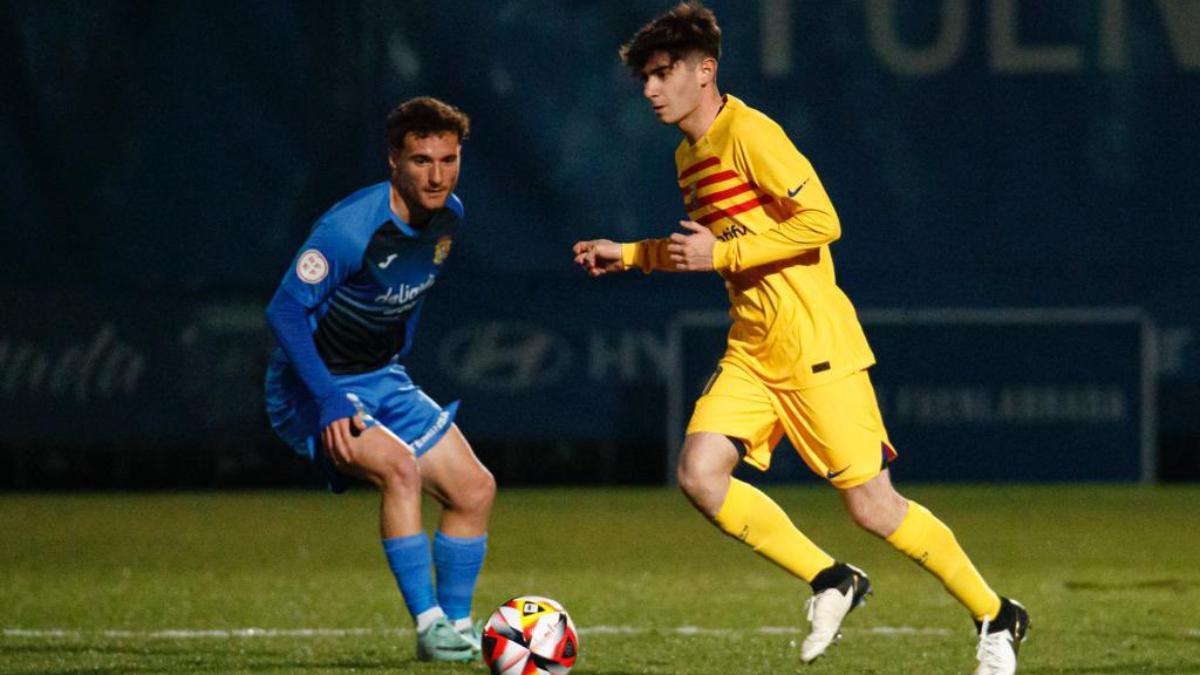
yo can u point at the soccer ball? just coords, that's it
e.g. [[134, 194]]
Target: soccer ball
[[530, 635]]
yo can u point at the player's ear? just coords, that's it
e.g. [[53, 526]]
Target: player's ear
[[393, 158], [707, 70]]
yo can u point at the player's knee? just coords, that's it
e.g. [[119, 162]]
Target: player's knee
[[880, 515], [476, 493], [687, 479], [483, 491], [400, 473], [864, 515], [699, 486]]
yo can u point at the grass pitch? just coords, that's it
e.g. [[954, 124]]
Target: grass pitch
[[295, 581]]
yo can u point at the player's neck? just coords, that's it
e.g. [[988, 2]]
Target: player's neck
[[697, 123], [414, 215]]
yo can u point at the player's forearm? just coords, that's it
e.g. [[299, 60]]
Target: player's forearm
[[800, 233], [647, 255], [289, 322]]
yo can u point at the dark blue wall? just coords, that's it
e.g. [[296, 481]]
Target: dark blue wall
[[163, 161]]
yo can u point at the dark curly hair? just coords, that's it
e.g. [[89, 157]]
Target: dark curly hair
[[689, 27], [422, 116]]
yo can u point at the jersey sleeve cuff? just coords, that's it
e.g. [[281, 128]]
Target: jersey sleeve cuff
[[336, 406], [722, 255], [630, 254]]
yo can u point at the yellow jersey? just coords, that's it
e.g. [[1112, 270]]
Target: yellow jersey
[[745, 180]]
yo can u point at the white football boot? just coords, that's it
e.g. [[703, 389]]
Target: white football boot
[[826, 608], [1000, 640]]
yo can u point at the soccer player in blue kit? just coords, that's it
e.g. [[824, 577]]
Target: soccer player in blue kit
[[337, 393]]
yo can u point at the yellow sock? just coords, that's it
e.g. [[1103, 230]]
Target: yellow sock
[[753, 518], [927, 540]]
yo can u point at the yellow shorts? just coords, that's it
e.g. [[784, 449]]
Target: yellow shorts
[[836, 427]]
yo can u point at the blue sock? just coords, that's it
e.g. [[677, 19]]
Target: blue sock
[[458, 561], [412, 566]]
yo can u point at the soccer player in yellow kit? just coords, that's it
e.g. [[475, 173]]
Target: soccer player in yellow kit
[[797, 359]]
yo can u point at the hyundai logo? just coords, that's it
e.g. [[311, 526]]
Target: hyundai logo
[[505, 356]]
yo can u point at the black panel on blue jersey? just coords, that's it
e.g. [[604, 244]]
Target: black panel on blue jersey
[[372, 314]]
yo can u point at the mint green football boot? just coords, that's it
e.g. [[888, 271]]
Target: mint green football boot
[[474, 635], [441, 642]]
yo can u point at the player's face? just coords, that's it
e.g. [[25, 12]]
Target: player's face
[[425, 170], [673, 88]]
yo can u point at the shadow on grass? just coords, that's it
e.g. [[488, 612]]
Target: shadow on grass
[[1125, 667], [99, 650], [175, 665], [1173, 585], [70, 659]]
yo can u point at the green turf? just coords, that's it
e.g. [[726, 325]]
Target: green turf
[[1111, 575]]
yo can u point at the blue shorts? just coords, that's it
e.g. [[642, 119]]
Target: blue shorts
[[386, 396]]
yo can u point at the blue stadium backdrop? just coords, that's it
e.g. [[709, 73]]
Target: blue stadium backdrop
[[163, 161]]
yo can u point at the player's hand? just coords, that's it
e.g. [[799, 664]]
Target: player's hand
[[692, 251], [599, 256], [340, 439]]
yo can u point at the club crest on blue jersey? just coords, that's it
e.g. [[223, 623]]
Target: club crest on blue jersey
[[441, 250]]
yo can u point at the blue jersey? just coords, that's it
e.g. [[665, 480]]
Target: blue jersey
[[363, 275]]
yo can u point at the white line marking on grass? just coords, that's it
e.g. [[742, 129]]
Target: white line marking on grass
[[907, 630], [189, 634], [52, 633], [247, 633], [176, 634], [611, 630], [1193, 632], [767, 630]]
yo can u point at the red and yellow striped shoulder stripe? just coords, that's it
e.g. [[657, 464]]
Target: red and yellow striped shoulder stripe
[[711, 193]]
